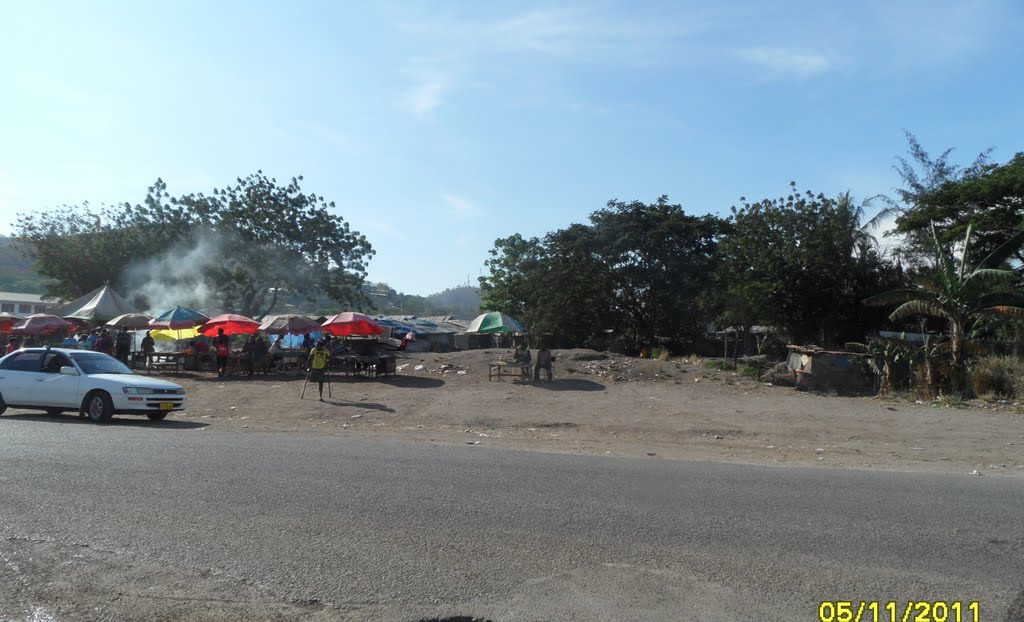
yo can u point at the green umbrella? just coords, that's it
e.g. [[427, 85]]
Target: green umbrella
[[495, 322]]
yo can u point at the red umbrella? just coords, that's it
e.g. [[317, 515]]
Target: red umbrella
[[7, 320], [232, 325], [350, 323], [41, 323]]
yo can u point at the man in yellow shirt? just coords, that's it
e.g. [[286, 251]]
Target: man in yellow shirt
[[317, 363]]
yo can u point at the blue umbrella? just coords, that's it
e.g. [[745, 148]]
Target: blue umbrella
[[179, 317]]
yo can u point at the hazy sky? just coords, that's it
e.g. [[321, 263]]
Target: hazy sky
[[439, 127]]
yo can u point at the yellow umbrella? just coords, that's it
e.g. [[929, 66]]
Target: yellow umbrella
[[173, 334]]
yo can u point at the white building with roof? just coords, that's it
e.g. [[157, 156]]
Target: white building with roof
[[24, 304]]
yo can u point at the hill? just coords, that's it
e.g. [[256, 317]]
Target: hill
[[16, 272]]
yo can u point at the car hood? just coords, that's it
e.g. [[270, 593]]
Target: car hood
[[136, 381]]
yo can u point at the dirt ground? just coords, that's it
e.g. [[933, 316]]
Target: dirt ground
[[613, 405]]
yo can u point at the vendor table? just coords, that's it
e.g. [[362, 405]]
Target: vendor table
[[499, 369]]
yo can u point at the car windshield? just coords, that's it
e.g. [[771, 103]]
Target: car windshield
[[97, 363]]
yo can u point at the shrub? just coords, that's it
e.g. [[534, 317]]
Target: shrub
[[1002, 376]]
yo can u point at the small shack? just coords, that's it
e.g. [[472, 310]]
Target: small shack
[[818, 369]]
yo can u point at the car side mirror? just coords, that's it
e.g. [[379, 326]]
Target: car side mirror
[[68, 370]]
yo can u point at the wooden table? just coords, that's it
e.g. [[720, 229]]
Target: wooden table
[[514, 369], [166, 361]]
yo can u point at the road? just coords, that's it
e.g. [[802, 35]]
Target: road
[[179, 521]]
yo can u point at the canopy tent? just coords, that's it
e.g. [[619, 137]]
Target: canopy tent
[[98, 306], [494, 322]]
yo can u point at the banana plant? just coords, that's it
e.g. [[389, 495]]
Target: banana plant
[[962, 292]]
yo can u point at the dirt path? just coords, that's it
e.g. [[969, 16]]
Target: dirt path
[[622, 406]]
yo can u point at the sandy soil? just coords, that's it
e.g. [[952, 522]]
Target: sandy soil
[[619, 406]]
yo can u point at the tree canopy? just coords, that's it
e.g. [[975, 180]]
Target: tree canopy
[[235, 249]]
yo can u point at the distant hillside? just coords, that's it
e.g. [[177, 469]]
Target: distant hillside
[[16, 273], [459, 302]]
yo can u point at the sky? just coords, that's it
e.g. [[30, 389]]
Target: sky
[[439, 127]]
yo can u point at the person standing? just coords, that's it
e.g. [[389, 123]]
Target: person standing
[[105, 344], [69, 341], [544, 359], [12, 345], [122, 346], [318, 359], [223, 345], [148, 347]]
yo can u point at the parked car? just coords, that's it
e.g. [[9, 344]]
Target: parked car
[[94, 384]]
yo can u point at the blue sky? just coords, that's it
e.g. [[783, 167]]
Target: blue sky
[[439, 127]]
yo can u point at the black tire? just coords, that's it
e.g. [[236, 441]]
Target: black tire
[[98, 407], [156, 416], [3, 405]]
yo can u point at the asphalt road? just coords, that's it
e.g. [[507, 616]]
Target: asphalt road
[[178, 522]]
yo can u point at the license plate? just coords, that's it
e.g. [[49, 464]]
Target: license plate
[[166, 405]]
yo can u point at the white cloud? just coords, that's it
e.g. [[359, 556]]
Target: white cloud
[[461, 207], [427, 94], [782, 62]]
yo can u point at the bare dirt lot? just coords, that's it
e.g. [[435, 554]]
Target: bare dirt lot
[[608, 404]]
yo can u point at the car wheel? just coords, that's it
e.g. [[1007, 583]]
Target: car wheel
[[98, 407], [156, 416], [3, 405]]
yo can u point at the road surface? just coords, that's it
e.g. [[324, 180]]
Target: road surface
[[177, 521]]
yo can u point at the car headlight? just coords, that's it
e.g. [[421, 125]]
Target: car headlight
[[138, 391]]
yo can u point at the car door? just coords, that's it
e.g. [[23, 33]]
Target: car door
[[57, 389], [17, 374]]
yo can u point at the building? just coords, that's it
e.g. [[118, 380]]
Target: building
[[24, 304]]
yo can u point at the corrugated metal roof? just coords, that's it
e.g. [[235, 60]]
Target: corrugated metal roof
[[27, 298]]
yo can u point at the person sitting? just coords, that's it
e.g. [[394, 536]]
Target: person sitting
[[275, 352], [522, 358], [544, 360]]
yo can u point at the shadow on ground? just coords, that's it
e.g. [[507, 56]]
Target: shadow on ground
[[569, 384], [333, 401], [411, 382], [118, 420]]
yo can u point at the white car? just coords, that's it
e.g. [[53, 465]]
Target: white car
[[94, 384]]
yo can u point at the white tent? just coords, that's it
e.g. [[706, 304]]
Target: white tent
[[98, 306]]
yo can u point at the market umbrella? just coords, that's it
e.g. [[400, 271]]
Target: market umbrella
[[289, 324], [231, 323], [7, 320], [350, 323], [174, 334], [130, 321], [494, 322], [41, 323], [178, 317]]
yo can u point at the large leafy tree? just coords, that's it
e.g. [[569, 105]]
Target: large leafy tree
[[656, 261], [802, 261], [242, 244], [989, 199], [637, 270], [963, 292]]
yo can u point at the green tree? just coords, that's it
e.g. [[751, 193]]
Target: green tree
[[802, 262], [257, 237], [964, 293], [989, 199]]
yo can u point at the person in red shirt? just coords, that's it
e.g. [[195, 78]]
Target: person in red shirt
[[12, 345]]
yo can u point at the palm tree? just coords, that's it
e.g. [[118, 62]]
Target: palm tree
[[961, 293]]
